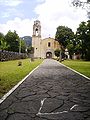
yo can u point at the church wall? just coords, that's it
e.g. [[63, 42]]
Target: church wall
[[45, 48], [36, 43]]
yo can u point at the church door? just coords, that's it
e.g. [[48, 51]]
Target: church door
[[48, 55]]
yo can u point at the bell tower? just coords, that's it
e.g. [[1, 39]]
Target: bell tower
[[36, 39], [37, 28]]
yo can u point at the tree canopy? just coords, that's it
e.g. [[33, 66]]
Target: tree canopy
[[3, 43], [64, 35], [78, 43], [83, 39], [12, 42], [12, 39]]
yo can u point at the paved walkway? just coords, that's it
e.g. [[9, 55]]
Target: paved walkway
[[51, 92]]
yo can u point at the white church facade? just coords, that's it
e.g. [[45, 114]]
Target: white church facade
[[43, 48]]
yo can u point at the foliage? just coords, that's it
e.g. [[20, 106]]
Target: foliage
[[57, 52], [3, 43], [23, 46], [1, 36], [83, 39], [70, 47], [12, 42], [30, 49], [78, 43], [12, 39], [64, 35]]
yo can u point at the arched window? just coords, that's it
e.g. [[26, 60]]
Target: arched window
[[49, 44]]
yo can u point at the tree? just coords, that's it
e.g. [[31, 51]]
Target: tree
[[1, 37], [57, 52], [83, 4], [12, 39], [65, 37], [88, 41], [78, 46], [3, 43], [23, 46], [83, 38], [30, 50], [71, 47]]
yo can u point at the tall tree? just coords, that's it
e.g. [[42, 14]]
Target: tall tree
[[23, 46], [65, 36], [88, 41], [1, 37], [83, 38], [12, 39], [71, 48], [3, 43]]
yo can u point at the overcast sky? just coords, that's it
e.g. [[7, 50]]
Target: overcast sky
[[19, 15]]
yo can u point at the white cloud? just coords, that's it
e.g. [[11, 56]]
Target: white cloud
[[5, 14], [11, 12], [22, 27], [40, 1], [58, 12], [10, 8], [10, 3], [51, 13]]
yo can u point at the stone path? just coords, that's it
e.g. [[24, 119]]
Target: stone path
[[51, 92]]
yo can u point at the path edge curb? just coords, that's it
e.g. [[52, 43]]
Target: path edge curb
[[17, 85], [76, 71]]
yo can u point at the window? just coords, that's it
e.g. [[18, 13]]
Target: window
[[49, 44]]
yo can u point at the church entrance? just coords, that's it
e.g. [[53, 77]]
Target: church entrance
[[48, 55]]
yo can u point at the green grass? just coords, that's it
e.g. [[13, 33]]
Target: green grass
[[78, 65], [11, 73]]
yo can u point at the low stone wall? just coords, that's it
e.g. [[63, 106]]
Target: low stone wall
[[7, 55]]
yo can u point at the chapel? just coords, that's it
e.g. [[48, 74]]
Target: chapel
[[43, 48]]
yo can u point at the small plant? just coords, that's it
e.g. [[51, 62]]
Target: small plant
[[19, 63]]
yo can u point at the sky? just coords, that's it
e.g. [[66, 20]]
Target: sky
[[20, 15]]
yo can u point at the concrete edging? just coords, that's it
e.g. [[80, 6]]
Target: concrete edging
[[17, 85], [76, 71]]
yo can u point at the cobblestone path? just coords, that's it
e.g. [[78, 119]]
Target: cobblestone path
[[51, 92]]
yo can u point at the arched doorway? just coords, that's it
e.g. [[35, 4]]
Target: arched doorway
[[48, 55]]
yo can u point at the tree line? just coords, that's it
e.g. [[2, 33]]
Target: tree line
[[12, 42], [76, 43]]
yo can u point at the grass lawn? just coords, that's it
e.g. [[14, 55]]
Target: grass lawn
[[11, 73], [78, 65]]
